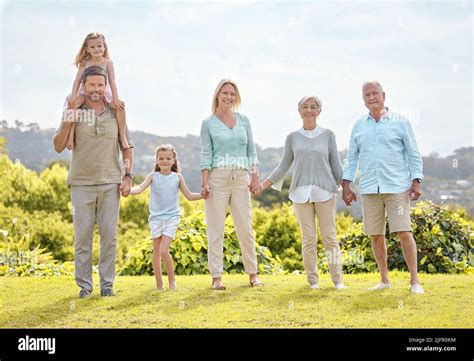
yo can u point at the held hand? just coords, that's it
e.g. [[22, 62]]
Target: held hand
[[263, 186], [415, 191], [205, 191], [256, 191], [255, 187], [348, 196], [125, 187], [260, 191]]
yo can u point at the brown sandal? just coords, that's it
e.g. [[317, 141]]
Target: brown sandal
[[218, 288]]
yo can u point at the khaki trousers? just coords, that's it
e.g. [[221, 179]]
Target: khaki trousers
[[101, 204], [229, 187], [326, 214]]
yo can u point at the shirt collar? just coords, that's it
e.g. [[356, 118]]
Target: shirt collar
[[387, 115], [312, 133], [106, 106]]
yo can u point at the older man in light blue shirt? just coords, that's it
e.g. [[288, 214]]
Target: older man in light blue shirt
[[383, 145]]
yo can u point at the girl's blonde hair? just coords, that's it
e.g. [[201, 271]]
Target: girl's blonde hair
[[164, 148], [215, 102], [83, 55]]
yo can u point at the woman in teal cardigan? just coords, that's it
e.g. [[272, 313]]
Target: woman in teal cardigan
[[227, 155]]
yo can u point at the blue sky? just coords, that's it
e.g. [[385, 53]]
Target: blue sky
[[169, 56]]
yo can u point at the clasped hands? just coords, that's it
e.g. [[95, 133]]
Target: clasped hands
[[348, 195], [125, 187], [255, 187]]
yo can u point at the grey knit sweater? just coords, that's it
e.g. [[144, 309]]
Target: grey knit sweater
[[315, 161]]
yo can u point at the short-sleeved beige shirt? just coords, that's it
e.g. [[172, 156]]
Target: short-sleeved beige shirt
[[96, 154]]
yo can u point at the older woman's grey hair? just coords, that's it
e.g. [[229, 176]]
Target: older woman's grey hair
[[319, 104]]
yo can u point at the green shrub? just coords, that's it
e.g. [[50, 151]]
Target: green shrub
[[21, 262], [23, 188], [189, 251], [47, 230], [444, 241], [134, 210], [277, 229]]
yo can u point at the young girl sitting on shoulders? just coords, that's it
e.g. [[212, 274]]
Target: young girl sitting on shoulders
[[94, 51]]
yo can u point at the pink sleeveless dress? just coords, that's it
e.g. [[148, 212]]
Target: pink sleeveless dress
[[107, 93], [108, 89]]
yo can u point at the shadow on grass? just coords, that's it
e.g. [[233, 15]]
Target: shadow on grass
[[41, 316], [171, 301]]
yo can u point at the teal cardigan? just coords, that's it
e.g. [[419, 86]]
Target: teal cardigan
[[222, 147]]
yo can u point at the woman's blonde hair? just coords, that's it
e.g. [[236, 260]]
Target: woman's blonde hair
[[83, 55], [215, 102], [164, 148]]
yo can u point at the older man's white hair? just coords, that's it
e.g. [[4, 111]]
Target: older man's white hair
[[372, 82]]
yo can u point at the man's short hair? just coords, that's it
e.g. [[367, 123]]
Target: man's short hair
[[374, 82], [94, 70]]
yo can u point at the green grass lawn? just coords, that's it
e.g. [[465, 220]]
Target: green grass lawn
[[285, 301]]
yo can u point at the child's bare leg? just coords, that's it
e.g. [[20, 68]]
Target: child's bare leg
[[156, 262], [122, 125], [167, 260]]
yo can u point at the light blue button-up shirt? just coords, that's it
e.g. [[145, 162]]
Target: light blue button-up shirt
[[224, 147], [386, 153]]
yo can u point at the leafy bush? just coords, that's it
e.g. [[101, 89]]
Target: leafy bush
[[189, 251], [35, 214], [38, 228], [278, 230], [444, 241], [17, 259], [23, 188], [134, 210], [33, 263]]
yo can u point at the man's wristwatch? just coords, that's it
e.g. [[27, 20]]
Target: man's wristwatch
[[417, 179], [130, 175]]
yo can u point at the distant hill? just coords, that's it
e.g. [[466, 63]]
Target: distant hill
[[447, 179], [33, 147]]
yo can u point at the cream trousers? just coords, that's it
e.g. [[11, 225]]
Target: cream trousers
[[326, 214], [229, 187]]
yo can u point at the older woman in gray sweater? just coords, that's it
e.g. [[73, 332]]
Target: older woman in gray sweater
[[317, 172]]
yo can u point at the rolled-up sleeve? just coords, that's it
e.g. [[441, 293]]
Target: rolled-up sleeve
[[206, 147], [352, 159], [415, 161]]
